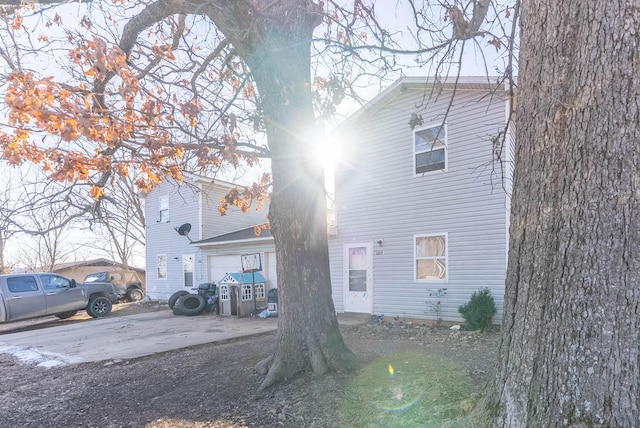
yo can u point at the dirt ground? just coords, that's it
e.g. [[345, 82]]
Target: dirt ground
[[214, 385]]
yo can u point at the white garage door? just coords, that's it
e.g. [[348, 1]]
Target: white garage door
[[219, 266], [270, 270]]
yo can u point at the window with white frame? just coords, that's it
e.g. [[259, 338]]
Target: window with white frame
[[430, 149], [224, 292], [161, 263], [246, 292], [163, 209], [260, 291], [187, 269], [431, 257]]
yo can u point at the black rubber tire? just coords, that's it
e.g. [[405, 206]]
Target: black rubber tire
[[190, 305], [65, 315], [135, 295], [176, 310], [175, 296], [99, 306]]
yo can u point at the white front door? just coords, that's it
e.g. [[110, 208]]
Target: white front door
[[358, 278], [270, 273]]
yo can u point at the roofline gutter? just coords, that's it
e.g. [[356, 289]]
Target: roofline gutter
[[235, 241], [405, 83]]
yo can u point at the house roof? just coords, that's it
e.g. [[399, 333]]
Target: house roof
[[480, 83], [239, 236], [201, 179], [477, 83], [94, 262], [196, 179], [242, 278]]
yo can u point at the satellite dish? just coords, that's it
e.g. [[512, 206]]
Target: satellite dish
[[184, 229]]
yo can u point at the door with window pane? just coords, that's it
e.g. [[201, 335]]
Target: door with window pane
[[187, 270], [358, 278]]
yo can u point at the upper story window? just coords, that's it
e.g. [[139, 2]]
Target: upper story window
[[431, 257], [163, 204], [430, 149]]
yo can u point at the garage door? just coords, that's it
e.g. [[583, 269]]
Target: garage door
[[219, 266], [270, 270]]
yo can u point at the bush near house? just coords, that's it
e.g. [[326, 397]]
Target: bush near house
[[479, 310]]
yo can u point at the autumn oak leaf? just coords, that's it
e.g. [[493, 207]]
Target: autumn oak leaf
[[495, 42]]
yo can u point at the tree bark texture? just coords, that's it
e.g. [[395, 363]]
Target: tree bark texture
[[277, 49], [569, 354]]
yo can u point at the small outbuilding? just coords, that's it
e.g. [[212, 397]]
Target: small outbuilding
[[241, 293]]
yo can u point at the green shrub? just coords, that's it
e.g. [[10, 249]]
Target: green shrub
[[479, 310]]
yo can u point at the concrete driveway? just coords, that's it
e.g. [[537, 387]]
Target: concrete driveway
[[131, 336]]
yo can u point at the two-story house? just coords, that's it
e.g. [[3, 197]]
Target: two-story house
[[422, 200], [421, 204], [188, 242]]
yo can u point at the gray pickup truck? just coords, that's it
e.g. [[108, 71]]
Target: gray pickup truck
[[32, 295]]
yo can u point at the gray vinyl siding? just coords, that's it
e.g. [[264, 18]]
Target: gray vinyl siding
[[378, 196], [213, 224], [162, 238], [188, 203]]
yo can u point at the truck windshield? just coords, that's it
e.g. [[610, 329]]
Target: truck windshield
[[96, 277]]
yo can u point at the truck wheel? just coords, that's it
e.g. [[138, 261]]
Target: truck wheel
[[190, 305], [175, 296], [65, 315], [99, 306], [135, 295]]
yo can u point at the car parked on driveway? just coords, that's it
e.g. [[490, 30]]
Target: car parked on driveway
[[33, 295], [126, 283]]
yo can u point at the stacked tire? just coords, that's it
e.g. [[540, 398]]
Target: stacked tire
[[184, 303]]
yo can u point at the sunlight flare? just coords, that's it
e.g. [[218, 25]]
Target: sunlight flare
[[328, 153]]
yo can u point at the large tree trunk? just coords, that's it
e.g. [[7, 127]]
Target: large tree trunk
[[279, 58], [570, 343]]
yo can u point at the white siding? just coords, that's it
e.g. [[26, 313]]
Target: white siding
[[161, 237], [213, 224], [378, 196]]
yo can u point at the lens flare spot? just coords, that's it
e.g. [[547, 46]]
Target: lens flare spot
[[396, 392]]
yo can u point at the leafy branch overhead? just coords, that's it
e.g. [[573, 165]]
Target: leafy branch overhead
[[141, 128], [149, 104], [168, 91]]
